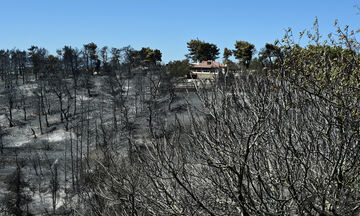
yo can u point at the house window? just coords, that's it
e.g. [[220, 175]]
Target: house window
[[209, 63]]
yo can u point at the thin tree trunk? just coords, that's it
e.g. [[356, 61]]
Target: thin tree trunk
[[54, 187], [1, 143], [24, 109], [11, 104], [65, 173], [39, 112], [61, 108], [23, 77], [72, 161], [75, 96], [88, 138], [47, 111], [96, 135], [77, 160], [114, 116], [81, 139]]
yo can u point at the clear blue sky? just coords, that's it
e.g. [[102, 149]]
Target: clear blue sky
[[163, 24]]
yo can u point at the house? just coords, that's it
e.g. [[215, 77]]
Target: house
[[206, 69]]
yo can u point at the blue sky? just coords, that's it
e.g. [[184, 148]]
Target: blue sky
[[163, 24]]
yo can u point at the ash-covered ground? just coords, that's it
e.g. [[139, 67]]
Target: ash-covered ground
[[71, 132]]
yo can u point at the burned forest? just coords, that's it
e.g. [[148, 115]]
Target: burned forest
[[115, 131]]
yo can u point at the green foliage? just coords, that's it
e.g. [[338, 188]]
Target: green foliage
[[91, 49], [232, 66], [70, 60], [18, 58], [227, 54], [269, 55], [244, 52], [37, 58], [53, 64], [256, 65], [145, 56], [202, 51], [150, 56], [67, 54], [326, 76], [323, 68], [91, 57], [178, 68]]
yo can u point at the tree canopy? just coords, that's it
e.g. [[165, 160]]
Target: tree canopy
[[145, 56], [269, 54], [178, 68], [202, 51], [227, 54], [244, 52], [150, 56]]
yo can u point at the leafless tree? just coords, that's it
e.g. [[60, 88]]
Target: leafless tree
[[2, 134]]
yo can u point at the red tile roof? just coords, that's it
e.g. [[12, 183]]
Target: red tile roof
[[208, 64]]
